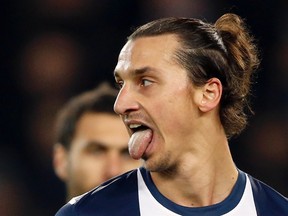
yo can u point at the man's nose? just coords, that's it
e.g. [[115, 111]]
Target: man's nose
[[125, 101], [113, 165]]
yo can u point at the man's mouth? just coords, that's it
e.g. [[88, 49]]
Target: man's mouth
[[137, 127], [141, 137]]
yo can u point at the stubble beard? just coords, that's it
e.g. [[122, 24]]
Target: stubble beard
[[161, 164]]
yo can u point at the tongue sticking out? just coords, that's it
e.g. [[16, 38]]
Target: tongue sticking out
[[138, 143]]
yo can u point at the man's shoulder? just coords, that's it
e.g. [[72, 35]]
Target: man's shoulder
[[112, 193], [268, 201]]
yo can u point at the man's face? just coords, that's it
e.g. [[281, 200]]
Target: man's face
[[98, 152], [156, 93]]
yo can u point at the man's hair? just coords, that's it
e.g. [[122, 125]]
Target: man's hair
[[224, 50], [98, 100]]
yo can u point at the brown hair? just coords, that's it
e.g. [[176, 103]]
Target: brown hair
[[224, 50], [98, 100]]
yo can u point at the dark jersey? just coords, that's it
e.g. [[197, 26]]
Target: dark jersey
[[134, 193]]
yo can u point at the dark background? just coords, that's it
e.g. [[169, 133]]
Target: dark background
[[54, 49]]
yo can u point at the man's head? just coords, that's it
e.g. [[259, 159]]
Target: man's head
[[181, 81], [223, 50], [91, 141]]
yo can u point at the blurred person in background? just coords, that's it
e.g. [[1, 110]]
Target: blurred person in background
[[91, 141]]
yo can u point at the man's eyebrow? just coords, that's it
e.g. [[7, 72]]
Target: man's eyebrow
[[136, 72], [124, 151], [93, 143]]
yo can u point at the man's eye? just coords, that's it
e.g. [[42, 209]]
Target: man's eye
[[145, 82], [125, 153], [119, 84], [95, 150]]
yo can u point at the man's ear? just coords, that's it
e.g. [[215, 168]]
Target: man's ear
[[60, 161], [211, 95]]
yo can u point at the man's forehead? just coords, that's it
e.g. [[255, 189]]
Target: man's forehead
[[145, 50]]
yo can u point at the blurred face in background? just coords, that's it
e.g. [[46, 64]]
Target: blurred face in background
[[98, 152]]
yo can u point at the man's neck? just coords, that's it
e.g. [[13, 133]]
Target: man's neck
[[207, 182]]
